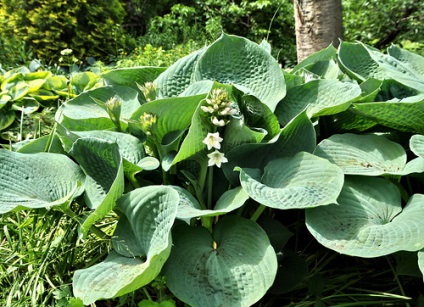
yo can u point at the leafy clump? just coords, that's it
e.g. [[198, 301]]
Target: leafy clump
[[192, 163]]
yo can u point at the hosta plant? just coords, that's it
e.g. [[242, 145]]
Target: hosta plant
[[191, 163]]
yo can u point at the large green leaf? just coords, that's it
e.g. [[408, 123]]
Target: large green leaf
[[172, 114], [234, 266], [416, 143], [40, 180], [370, 155], [325, 54], [193, 142], [244, 64], [317, 97], [413, 61], [84, 113], [421, 261], [142, 241], [132, 76], [298, 135], [178, 76], [228, 201], [403, 116], [103, 166], [369, 220], [6, 118], [302, 181], [363, 62]]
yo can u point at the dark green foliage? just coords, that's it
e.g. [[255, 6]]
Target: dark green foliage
[[381, 23], [204, 21], [89, 28]]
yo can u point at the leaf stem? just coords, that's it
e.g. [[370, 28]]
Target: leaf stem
[[257, 213], [210, 186]]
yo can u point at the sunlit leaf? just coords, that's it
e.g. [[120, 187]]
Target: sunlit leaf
[[369, 220], [237, 272]]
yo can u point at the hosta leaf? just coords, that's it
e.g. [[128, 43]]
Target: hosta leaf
[[298, 135], [27, 105], [370, 155], [19, 90], [132, 76], [172, 114], [102, 164], [325, 54], [317, 97], [421, 261], [83, 81], [130, 147], [369, 220], [6, 118], [83, 113], [403, 116], [363, 62], [145, 228], [416, 143], [244, 64], [302, 181], [38, 180], [238, 272], [229, 201], [178, 76], [192, 143], [413, 61], [55, 83]]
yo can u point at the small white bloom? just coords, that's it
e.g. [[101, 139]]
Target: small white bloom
[[213, 140], [217, 122], [66, 51], [207, 109], [216, 158]]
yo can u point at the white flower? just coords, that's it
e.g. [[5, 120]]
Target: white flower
[[66, 51], [218, 122], [216, 158], [213, 140], [207, 109]]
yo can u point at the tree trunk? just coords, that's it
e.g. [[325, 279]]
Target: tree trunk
[[318, 24]]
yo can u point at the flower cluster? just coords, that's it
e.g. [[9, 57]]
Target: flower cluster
[[147, 120], [220, 107], [148, 90], [213, 140]]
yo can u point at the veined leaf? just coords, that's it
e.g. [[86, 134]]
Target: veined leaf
[[416, 143], [235, 60], [369, 155], [102, 164], [298, 135], [143, 243], [421, 261], [302, 181], [229, 201], [369, 220], [363, 62], [403, 116], [325, 54], [413, 61], [173, 81], [40, 180], [83, 113], [237, 272], [132, 76], [317, 97], [172, 114]]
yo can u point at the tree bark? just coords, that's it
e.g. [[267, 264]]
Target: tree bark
[[318, 24]]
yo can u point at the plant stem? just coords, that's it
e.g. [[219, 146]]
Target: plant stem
[[210, 185], [257, 213]]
